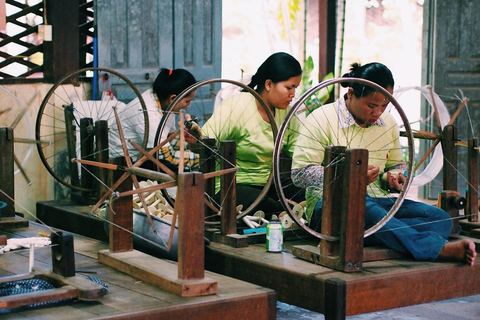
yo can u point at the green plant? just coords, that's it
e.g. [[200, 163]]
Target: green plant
[[319, 98]]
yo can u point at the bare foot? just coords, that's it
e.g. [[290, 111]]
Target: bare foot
[[463, 250]]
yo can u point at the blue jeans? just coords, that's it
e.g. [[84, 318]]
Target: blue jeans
[[417, 229]]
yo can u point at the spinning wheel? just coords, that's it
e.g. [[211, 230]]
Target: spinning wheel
[[66, 121], [299, 114], [222, 132]]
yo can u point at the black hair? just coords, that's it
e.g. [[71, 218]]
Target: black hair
[[374, 71], [280, 66], [170, 82]]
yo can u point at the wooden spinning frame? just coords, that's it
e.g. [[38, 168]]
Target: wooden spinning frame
[[190, 281]]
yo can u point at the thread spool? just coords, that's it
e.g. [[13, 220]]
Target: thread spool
[[286, 221]]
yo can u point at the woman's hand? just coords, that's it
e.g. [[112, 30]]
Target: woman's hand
[[188, 134], [189, 138], [395, 182], [372, 173]]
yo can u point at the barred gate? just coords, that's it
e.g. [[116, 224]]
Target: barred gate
[[38, 39]]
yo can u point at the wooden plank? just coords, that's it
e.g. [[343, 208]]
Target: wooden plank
[[16, 222], [312, 253], [467, 226], [475, 233], [233, 240], [437, 282], [157, 272], [20, 300], [380, 253], [131, 298], [301, 280], [69, 216]]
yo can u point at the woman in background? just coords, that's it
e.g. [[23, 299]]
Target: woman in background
[[167, 86]]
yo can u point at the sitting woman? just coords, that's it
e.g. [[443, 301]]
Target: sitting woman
[[241, 118], [167, 86], [417, 229]]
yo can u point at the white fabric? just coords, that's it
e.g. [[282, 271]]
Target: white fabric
[[17, 243], [435, 165]]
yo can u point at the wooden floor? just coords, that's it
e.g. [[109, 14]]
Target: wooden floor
[[381, 285], [128, 298]]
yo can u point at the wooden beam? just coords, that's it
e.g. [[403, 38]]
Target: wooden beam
[[121, 215], [228, 188], [61, 55], [327, 32]]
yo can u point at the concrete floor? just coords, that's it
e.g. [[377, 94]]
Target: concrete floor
[[465, 308]]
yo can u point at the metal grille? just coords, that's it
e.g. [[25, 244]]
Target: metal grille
[[22, 42], [21, 54], [87, 33]]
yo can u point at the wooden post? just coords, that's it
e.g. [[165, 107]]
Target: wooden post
[[8, 220], [87, 138], [353, 210], [7, 182], [228, 190], [332, 185], [191, 247], [61, 55], [451, 201], [71, 134], [345, 185], [207, 164], [471, 209], [335, 299], [449, 148], [63, 254], [121, 214], [101, 145]]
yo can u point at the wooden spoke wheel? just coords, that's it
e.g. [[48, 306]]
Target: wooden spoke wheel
[[296, 121]]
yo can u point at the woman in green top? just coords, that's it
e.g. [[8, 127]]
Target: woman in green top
[[241, 118]]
